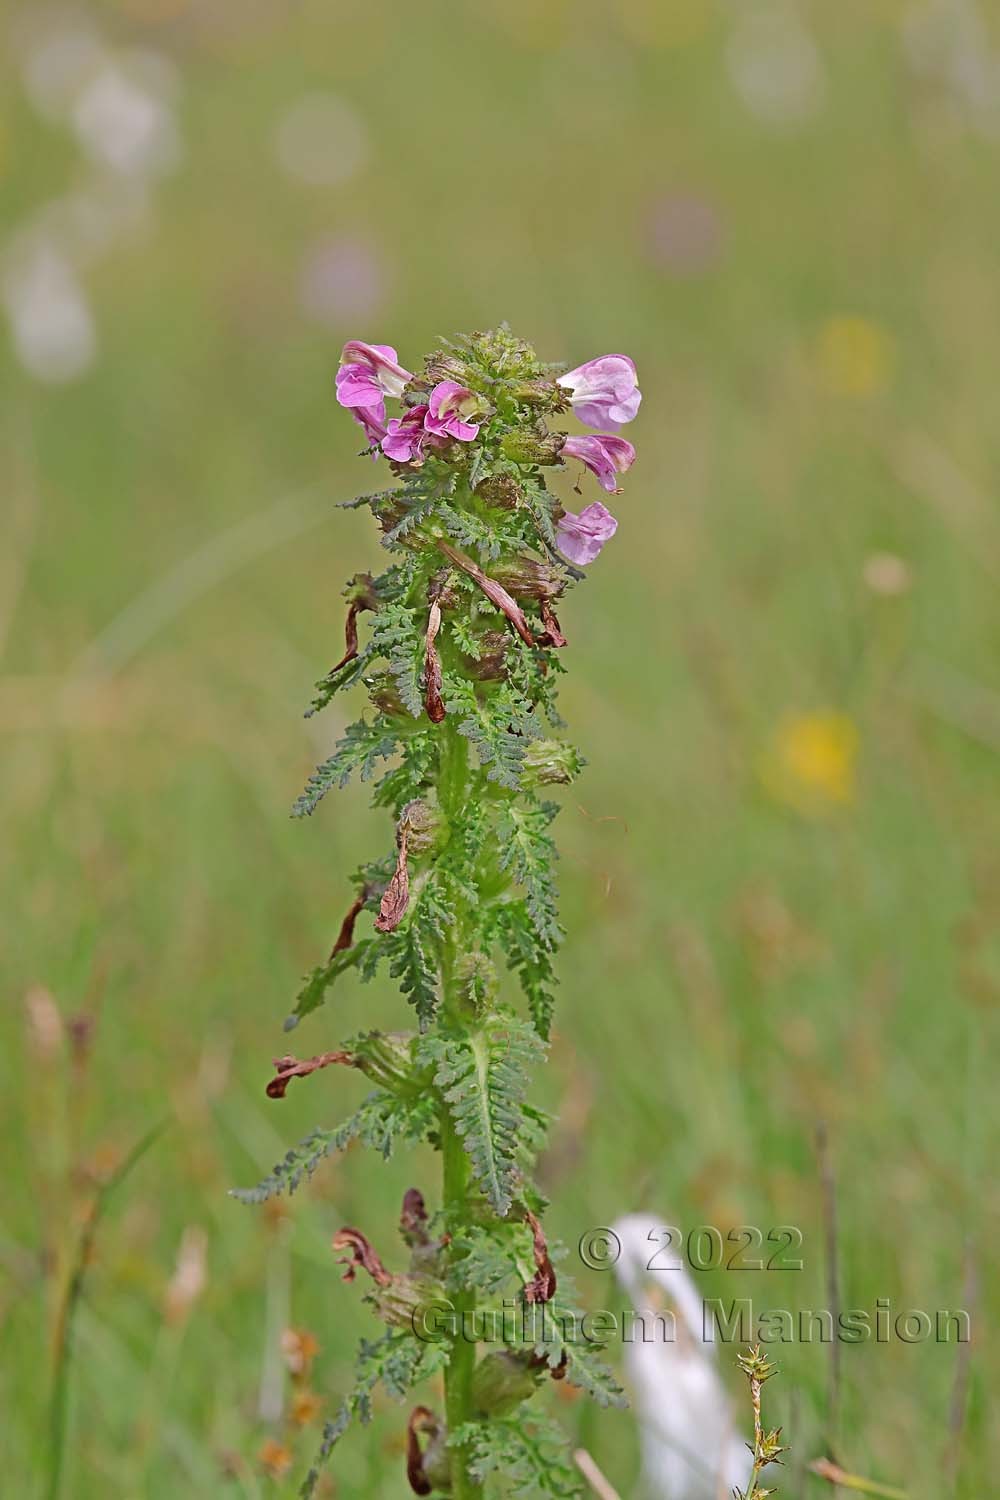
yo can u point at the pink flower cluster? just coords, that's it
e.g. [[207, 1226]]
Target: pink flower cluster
[[604, 392], [370, 372]]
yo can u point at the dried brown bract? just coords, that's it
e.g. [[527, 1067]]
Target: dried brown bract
[[294, 1067], [360, 1254], [542, 1286], [397, 893]]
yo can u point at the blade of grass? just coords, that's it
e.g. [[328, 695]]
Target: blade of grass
[[823, 1468], [67, 1313]]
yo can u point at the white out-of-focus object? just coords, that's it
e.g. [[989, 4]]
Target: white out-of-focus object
[[52, 326], [950, 40], [343, 280], [774, 64], [59, 54], [123, 117], [691, 1449], [100, 212], [321, 141]]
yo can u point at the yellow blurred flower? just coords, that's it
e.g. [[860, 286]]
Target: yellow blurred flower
[[812, 760], [854, 357], [306, 1407], [275, 1459], [300, 1348]]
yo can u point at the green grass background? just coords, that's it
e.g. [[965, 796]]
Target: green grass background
[[734, 970]]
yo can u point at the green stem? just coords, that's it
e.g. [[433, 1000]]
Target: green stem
[[452, 791], [458, 1376], [65, 1329]]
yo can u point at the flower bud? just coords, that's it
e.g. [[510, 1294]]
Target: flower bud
[[405, 1297], [503, 1380], [499, 490], [550, 763], [533, 447], [547, 395], [492, 662], [426, 826], [526, 578], [446, 367], [386, 1057]]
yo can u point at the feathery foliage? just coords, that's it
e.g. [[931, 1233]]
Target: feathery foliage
[[457, 645], [483, 1077], [525, 1457]]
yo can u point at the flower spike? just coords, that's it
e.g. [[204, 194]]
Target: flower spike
[[459, 647]]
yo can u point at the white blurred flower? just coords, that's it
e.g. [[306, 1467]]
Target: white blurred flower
[[686, 233], [343, 278], [774, 64], [887, 574], [103, 210], [691, 1449], [59, 54], [51, 323], [321, 141], [123, 117], [950, 40], [190, 1274]]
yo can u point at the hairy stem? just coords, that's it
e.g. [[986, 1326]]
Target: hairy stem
[[458, 1376], [452, 784]]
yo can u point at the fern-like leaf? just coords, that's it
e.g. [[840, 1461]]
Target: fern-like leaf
[[397, 637], [488, 726], [412, 965], [558, 1331], [360, 749], [527, 1455], [530, 961], [313, 992], [380, 1121], [397, 1361], [487, 1260], [483, 1076], [527, 851]]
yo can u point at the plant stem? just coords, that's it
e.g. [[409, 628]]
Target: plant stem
[[67, 1316], [453, 777], [458, 1375]]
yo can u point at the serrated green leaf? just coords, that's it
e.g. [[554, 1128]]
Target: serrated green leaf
[[360, 749], [483, 1075]]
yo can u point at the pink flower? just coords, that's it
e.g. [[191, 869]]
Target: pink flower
[[368, 373], [604, 392], [374, 429], [447, 405], [407, 439], [604, 456], [580, 538]]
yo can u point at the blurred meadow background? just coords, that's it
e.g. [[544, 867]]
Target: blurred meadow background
[[782, 867]]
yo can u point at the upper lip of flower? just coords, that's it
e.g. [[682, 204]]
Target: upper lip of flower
[[445, 411], [604, 392], [367, 374], [381, 359]]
